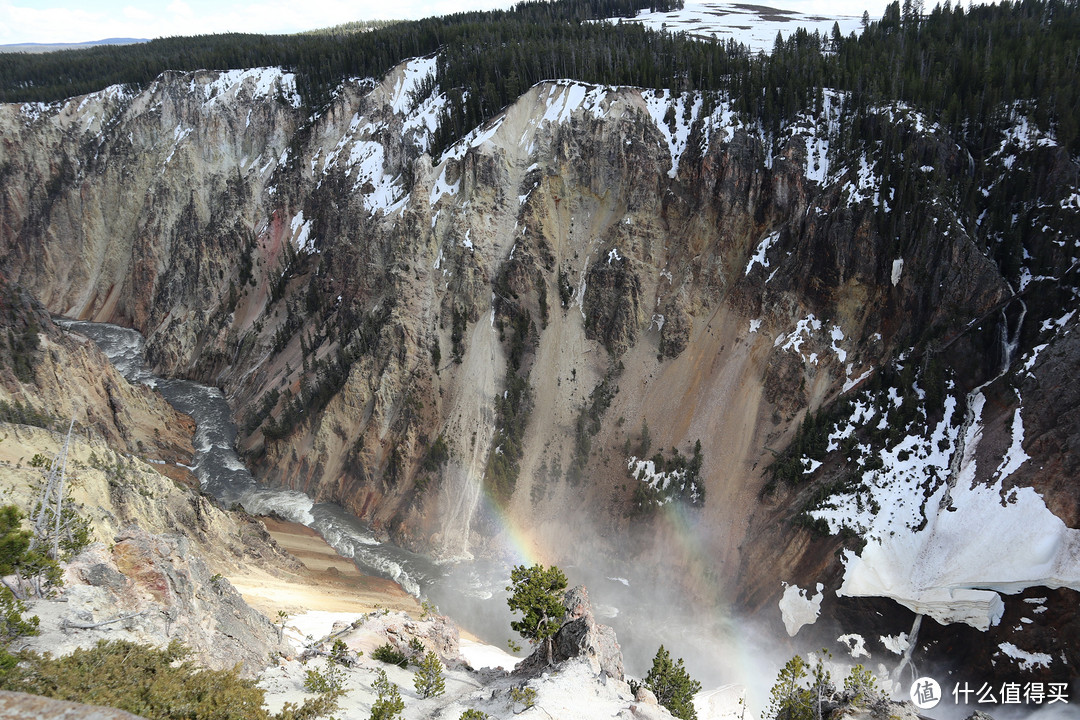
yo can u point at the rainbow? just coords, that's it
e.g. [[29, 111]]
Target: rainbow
[[519, 542]]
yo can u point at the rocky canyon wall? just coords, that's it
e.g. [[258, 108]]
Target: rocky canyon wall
[[421, 338]]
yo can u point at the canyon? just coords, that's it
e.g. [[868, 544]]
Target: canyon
[[484, 347]]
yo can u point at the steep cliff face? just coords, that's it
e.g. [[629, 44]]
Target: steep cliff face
[[49, 377], [406, 335]]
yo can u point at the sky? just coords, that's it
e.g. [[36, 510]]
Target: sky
[[64, 21]]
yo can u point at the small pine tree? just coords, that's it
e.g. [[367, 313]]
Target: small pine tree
[[12, 626], [788, 699], [14, 541], [428, 680], [14, 544], [672, 685], [339, 653], [802, 691], [388, 705], [330, 681], [646, 440], [821, 686], [861, 685]]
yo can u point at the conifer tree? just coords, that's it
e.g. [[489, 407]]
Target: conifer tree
[[389, 704], [429, 680], [788, 699], [537, 592], [672, 685]]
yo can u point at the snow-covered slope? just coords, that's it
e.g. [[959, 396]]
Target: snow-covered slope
[[752, 25], [931, 552]]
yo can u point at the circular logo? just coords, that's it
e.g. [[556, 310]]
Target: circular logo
[[925, 693]]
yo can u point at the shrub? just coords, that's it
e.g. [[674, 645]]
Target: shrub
[[151, 682], [387, 654], [473, 714], [524, 695]]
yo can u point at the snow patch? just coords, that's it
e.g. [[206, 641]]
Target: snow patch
[[866, 185], [836, 335], [645, 470], [255, 83], [423, 121], [1015, 455], [413, 73], [852, 382], [855, 644], [747, 24], [378, 190], [563, 99], [301, 233], [683, 111], [178, 137], [442, 188], [896, 644], [759, 256], [930, 552], [803, 329], [1027, 660], [800, 607], [480, 655]]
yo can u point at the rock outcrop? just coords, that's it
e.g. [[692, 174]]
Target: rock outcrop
[[580, 637], [20, 706], [152, 589], [113, 489]]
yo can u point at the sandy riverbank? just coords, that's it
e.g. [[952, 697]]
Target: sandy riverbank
[[328, 582]]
